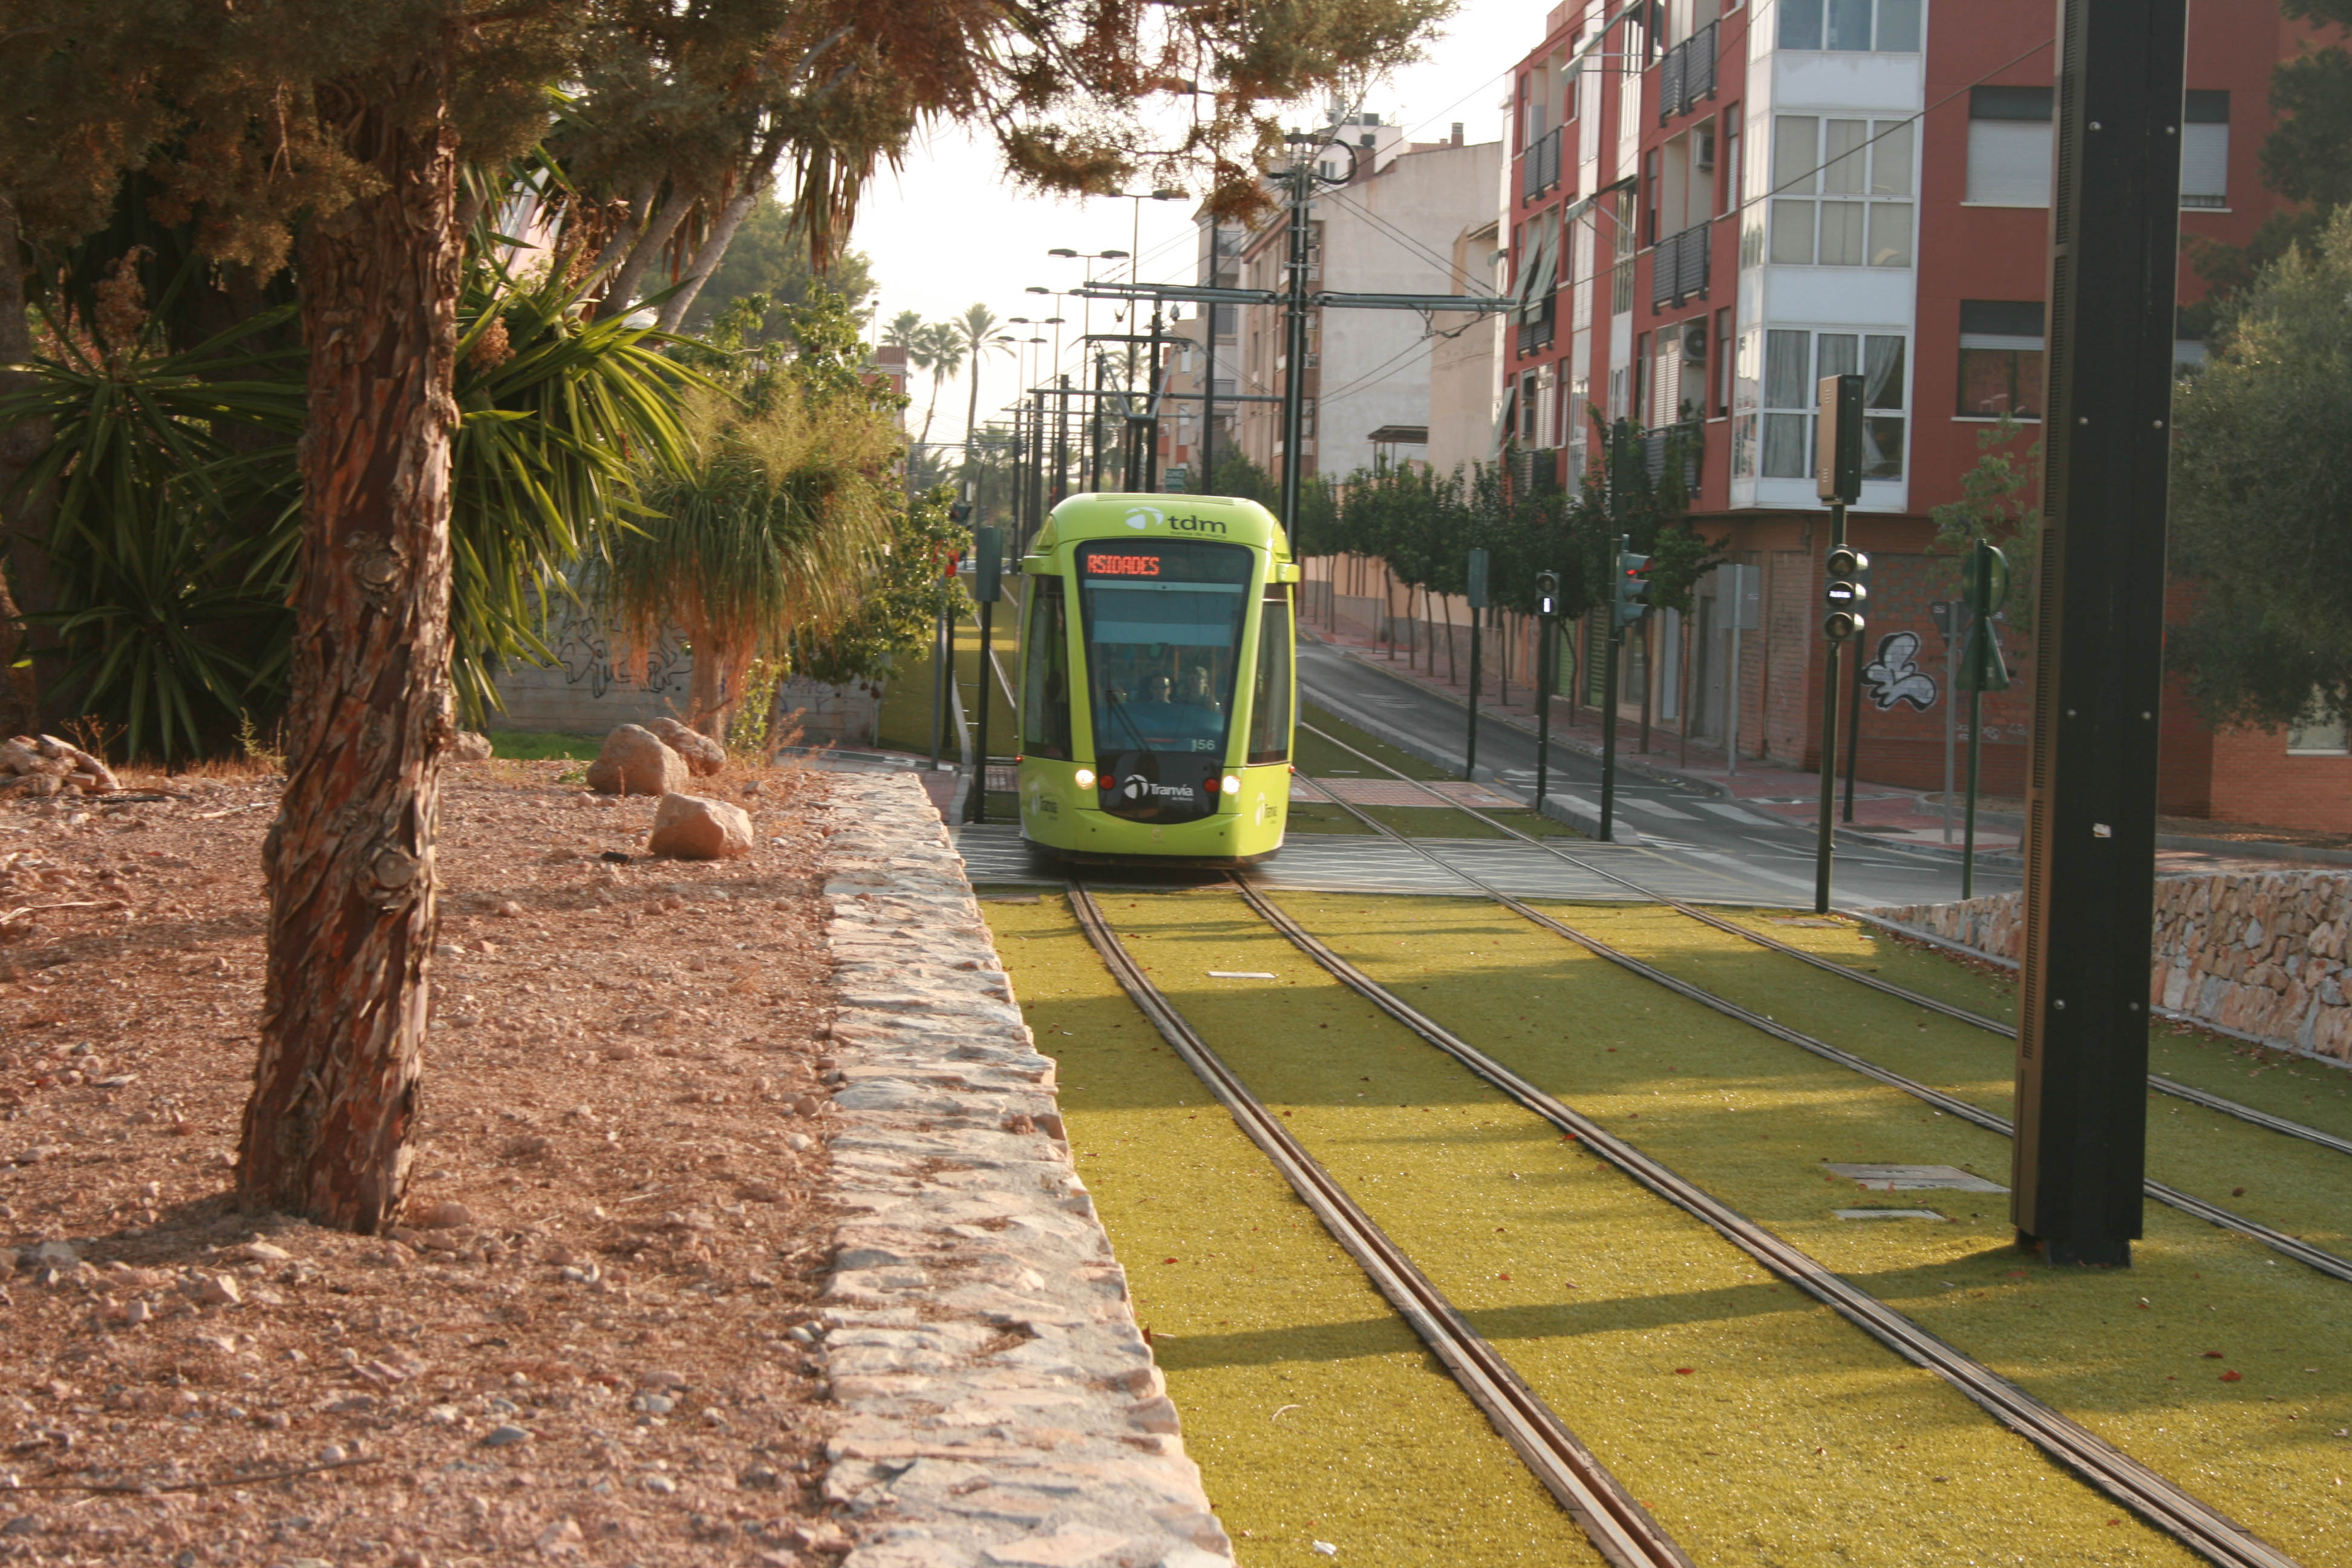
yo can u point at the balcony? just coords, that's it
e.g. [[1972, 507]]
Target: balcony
[[1687, 76], [1539, 165], [1678, 268]]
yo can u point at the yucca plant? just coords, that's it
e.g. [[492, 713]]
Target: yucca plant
[[177, 519]]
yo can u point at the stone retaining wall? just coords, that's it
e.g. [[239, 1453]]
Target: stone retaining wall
[[2263, 953], [998, 1404]]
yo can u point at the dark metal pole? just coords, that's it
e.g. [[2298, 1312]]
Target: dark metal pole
[[1293, 380], [1470, 748], [1062, 443], [1969, 833], [1546, 669], [1609, 724], [1853, 733], [979, 784], [2081, 1153], [1824, 836], [1151, 406], [942, 671], [1208, 385]]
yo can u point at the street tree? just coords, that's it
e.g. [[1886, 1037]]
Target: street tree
[[333, 137], [975, 330], [2261, 501]]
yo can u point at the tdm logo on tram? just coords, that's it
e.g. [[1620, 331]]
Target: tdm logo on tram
[[1143, 517]]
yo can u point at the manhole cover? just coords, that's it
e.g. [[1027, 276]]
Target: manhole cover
[[1915, 1178]]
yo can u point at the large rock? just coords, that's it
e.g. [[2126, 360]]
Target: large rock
[[690, 827], [635, 762], [471, 746], [704, 755]]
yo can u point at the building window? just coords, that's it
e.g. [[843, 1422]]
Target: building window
[[1731, 170], [2001, 359], [2009, 147], [2313, 736], [1794, 363], [1887, 27], [2205, 149], [1528, 409], [1723, 361], [1861, 170]]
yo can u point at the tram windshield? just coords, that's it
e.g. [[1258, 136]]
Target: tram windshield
[[1162, 621]]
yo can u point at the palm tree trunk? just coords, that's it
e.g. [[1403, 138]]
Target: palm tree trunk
[[972, 408], [722, 234], [350, 857], [708, 688], [659, 228]]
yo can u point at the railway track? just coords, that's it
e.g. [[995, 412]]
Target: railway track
[[2163, 1504], [2156, 1081], [1620, 1528], [2315, 1259]]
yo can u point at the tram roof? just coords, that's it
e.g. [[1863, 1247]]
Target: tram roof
[[1111, 516]]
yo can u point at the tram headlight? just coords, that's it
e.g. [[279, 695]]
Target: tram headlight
[[1233, 784], [1085, 778]]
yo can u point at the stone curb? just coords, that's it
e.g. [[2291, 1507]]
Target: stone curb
[[998, 1404]]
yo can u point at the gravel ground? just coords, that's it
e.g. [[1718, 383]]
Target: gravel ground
[[584, 1342]]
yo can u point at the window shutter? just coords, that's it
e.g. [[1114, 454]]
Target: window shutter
[[2009, 163], [2204, 165]]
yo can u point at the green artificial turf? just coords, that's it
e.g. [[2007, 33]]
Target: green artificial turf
[[2282, 1181], [1316, 756], [531, 745], [1313, 1411], [1758, 1426], [2142, 1356], [2282, 1083]]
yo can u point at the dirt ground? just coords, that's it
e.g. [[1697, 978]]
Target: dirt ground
[[585, 1341]]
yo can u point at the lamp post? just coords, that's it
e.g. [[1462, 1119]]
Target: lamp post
[[1087, 326]]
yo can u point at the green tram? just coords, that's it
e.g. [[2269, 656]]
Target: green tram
[[1157, 680]]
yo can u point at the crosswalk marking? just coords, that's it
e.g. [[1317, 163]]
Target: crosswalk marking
[[1655, 807]]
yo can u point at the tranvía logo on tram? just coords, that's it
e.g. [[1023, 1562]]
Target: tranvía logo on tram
[[1138, 787], [1143, 517]]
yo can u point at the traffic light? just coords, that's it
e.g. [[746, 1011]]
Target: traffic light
[[1837, 440], [1846, 589], [1547, 593], [1633, 588]]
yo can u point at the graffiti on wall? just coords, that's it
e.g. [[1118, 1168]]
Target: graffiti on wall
[[1895, 675], [586, 649]]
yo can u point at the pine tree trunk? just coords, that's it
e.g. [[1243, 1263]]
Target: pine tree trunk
[[350, 857]]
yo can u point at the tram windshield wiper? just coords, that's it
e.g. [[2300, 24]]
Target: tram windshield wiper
[[1118, 707]]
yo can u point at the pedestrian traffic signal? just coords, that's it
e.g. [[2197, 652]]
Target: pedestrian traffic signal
[[1846, 589], [1547, 593], [1632, 600]]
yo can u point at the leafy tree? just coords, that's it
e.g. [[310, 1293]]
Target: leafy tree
[[2262, 502], [332, 136], [770, 256], [2001, 504], [2306, 159], [901, 602]]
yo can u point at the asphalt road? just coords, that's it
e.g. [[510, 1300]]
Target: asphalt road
[[1689, 828]]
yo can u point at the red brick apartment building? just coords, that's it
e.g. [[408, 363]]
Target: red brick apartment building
[[1715, 203]]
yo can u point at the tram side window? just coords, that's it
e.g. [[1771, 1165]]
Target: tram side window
[[1270, 695], [1046, 686]]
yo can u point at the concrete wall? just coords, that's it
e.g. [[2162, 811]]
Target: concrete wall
[[2263, 953], [596, 681]]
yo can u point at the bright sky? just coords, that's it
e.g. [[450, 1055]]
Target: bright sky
[[947, 230]]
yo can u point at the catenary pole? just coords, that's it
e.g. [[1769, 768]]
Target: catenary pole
[[2079, 1159]]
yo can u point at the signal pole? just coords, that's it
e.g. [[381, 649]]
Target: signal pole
[[1547, 610], [2080, 1151], [1477, 598], [1837, 478]]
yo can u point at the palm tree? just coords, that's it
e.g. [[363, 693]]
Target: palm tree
[[943, 341], [976, 331]]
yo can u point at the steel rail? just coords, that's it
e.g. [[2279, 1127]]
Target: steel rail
[[2156, 1081], [1619, 1527], [2315, 1259], [2196, 1524]]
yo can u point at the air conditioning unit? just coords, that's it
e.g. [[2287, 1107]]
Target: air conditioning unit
[[1313, 360]]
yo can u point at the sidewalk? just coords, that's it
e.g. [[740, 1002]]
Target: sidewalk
[[1883, 814]]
